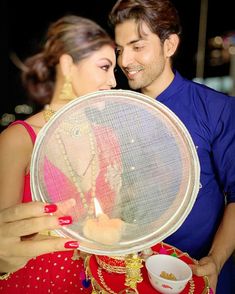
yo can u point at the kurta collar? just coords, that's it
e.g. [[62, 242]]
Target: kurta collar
[[172, 88]]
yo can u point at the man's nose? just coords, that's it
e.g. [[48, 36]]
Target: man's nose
[[125, 58]]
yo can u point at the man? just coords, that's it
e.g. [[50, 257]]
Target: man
[[147, 36]]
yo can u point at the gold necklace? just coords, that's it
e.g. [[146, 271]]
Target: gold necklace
[[48, 112], [106, 287], [75, 177]]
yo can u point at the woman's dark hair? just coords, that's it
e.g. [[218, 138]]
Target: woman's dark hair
[[160, 15], [73, 35]]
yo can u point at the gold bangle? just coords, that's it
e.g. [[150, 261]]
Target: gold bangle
[[4, 276]]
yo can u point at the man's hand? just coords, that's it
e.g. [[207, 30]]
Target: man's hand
[[207, 267]]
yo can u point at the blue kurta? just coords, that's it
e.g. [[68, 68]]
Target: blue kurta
[[210, 119]]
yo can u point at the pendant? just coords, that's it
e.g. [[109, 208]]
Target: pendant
[[86, 283]]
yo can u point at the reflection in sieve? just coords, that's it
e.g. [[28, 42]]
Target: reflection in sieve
[[131, 153]]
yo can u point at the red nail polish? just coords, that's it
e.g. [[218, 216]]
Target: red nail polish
[[50, 208], [65, 220], [71, 244]]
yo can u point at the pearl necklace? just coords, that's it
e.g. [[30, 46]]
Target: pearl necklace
[[75, 177]]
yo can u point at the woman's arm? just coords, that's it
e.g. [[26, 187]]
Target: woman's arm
[[15, 153], [20, 223]]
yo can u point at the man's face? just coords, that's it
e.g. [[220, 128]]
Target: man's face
[[142, 59]]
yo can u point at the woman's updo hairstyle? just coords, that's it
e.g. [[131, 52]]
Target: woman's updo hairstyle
[[73, 35]]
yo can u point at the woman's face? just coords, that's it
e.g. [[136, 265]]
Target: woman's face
[[95, 72]]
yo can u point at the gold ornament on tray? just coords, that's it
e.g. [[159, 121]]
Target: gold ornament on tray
[[133, 270]]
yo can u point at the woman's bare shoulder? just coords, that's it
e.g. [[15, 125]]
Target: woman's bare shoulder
[[15, 137], [36, 121]]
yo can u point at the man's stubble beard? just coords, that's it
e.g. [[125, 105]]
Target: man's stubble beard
[[149, 75], [134, 85], [142, 82]]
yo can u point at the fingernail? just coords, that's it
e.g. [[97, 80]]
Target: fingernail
[[71, 244], [50, 208], [65, 220]]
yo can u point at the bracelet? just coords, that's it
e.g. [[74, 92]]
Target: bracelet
[[4, 276]]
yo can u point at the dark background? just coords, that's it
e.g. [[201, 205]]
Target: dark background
[[24, 23]]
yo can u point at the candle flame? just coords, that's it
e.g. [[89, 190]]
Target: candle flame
[[98, 209]]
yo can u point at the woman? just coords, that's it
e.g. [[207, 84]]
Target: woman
[[77, 58]]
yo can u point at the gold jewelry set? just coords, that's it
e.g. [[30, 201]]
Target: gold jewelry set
[[114, 265], [74, 176], [74, 129], [66, 94]]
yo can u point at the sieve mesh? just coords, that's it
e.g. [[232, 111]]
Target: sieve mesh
[[130, 152]]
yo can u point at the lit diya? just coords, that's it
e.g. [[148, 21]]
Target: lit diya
[[103, 229]]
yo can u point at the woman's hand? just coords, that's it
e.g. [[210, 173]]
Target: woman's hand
[[113, 177], [207, 267], [19, 232]]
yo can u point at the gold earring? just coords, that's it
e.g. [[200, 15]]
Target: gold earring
[[67, 90]]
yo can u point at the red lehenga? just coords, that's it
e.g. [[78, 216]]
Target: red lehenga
[[57, 272]]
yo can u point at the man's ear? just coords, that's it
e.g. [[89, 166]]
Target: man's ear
[[171, 44], [66, 63]]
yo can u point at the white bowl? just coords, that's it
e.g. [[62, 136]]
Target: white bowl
[[156, 264]]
